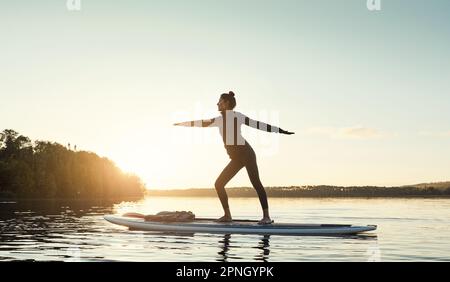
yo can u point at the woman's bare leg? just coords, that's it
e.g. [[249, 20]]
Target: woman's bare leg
[[227, 174], [253, 174]]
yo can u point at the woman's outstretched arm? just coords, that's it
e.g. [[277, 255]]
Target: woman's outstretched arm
[[264, 126], [197, 123]]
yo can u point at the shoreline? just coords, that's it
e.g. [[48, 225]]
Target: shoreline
[[26, 199], [6, 201], [322, 191], [313, 197]]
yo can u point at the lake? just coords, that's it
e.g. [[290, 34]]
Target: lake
[[408, 230]]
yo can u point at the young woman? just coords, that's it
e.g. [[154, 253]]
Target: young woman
[[239, 150]]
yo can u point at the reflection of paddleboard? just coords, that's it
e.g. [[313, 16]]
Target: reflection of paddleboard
[[205, 225]]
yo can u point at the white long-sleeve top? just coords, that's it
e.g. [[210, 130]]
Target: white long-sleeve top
[[229, 124]]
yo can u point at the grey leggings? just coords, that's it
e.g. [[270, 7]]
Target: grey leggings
[[248, 159]]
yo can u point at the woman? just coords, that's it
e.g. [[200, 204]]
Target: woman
[[239, 150]]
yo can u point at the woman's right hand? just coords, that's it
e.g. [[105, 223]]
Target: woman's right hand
[[282, 131]]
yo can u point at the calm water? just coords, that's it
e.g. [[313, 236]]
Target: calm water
[[408, 230]]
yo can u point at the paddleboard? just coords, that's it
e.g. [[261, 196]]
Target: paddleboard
[[206, 225]]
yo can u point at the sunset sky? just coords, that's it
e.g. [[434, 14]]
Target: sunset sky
[[367, 92]]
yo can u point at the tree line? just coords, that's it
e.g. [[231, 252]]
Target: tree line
[[317, 191], [44, 169]]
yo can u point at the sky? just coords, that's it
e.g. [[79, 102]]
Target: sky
[[366, 92]]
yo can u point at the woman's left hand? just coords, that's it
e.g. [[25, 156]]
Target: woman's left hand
[[282, 131]]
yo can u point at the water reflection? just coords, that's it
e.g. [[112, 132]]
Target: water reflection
[[264, 247], [225, 243], [76, 231], [224, 248], [227, 246], [48, 229]]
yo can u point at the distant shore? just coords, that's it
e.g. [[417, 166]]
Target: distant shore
[[323, 191], [14, 200]]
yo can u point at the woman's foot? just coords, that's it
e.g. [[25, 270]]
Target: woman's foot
[[265, 220], [224, 218]]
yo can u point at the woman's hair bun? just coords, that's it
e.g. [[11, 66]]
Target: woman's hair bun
[[231, 93]]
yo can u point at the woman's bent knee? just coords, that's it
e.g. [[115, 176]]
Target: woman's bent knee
[[219, 186]]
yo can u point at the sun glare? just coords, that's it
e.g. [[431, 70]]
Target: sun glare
[[150, 163]]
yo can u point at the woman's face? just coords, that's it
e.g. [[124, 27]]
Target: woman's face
[[223, 105]]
